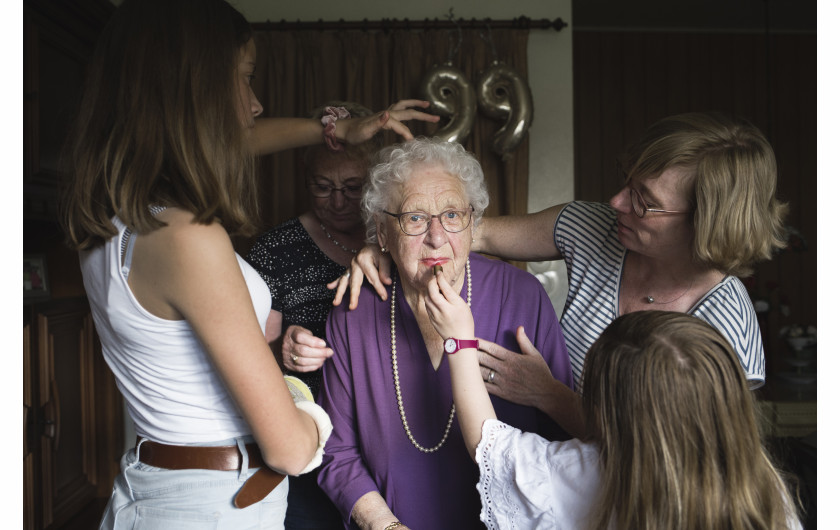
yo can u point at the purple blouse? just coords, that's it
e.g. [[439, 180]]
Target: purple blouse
[[369, 449]]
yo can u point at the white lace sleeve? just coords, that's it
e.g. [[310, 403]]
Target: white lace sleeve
[[528, 482]]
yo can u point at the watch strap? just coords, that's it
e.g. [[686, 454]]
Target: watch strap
[[461, 344]]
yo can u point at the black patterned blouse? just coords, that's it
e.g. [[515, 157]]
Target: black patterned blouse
[[297, 272]]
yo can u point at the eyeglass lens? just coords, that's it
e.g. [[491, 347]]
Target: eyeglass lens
[[639, 206], [325, 190], [416, 223]]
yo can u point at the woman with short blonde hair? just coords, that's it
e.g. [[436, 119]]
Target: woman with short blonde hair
[[737, 218]]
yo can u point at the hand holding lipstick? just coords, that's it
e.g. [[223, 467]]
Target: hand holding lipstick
[[451, 316], [449, 313]]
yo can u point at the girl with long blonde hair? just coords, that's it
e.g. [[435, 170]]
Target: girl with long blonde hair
[[672, 435], [667, 403]]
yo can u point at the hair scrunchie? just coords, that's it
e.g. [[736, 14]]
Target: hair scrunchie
[[331, 114]]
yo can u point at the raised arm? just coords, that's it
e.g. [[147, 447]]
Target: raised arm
[[451, 317], [271, 135], [527, 237], [277, 134]]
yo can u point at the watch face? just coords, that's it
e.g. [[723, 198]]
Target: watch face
[[449, 345]]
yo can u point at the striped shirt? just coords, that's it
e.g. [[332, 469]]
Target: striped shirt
[[586, 234]]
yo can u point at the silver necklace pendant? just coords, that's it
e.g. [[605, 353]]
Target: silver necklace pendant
[[335, 241], [651, 300]]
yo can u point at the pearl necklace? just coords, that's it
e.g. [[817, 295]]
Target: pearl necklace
[[335, 241], [397, 372]]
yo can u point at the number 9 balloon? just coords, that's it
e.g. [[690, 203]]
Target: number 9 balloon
[[503, 94], [451, 96]]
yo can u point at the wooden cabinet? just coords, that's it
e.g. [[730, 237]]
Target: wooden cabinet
[[787, 411], [73, 425], [58, 40], [72, 411]]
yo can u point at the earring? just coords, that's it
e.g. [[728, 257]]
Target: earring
[[384, 250]]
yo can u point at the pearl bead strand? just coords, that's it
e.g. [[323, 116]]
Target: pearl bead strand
[[397, 372]]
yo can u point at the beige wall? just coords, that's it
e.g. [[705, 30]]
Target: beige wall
[[549, 71]]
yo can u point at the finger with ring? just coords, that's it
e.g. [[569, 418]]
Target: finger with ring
[[294, 358], [492, 376], [347, 273]]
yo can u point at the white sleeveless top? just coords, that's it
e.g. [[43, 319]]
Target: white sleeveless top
[[173, 392]]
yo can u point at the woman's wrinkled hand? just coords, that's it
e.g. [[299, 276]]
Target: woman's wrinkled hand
[[358, 130], [302, 351], [520, 378], [369, 263]]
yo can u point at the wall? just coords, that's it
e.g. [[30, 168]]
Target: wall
[[550, 76]]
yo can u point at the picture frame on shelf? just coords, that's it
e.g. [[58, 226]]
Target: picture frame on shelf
[[35, 282]]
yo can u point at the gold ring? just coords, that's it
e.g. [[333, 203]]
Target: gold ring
[[294, 358], [347, 273], [491, 377]]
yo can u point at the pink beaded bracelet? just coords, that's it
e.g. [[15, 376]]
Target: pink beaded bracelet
[[331, 114]]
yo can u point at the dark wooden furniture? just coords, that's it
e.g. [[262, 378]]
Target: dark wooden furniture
[[59, 38], [788, 417], [72, 414], [72, 411]]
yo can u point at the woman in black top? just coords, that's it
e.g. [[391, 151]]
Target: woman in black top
[[297, 259]]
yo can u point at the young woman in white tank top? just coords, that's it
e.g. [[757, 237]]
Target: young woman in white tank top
[[161, 166]]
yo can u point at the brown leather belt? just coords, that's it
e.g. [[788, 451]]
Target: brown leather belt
[[221, 458]]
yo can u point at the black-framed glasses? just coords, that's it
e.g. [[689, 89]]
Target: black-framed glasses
[[640, 207], [323, 191], [418, 223]]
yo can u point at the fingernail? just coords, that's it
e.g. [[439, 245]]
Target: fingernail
[[438, 269]]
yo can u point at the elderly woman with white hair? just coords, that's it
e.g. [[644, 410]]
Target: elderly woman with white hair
[[395, 458]]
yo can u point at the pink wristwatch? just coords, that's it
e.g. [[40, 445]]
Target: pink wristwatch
[[453, 345]]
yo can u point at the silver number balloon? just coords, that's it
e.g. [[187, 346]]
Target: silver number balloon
[[451, 96], [504, 95]]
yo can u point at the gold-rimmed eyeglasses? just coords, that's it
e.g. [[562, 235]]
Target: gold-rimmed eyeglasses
[[418, 223], [640, 207]]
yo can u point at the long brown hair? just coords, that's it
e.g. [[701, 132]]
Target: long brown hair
[[158, 123], [665, 397]]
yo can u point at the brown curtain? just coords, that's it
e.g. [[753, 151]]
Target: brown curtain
[[298, 70]]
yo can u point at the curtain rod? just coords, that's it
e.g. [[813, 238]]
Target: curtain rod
[[387, 24]]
